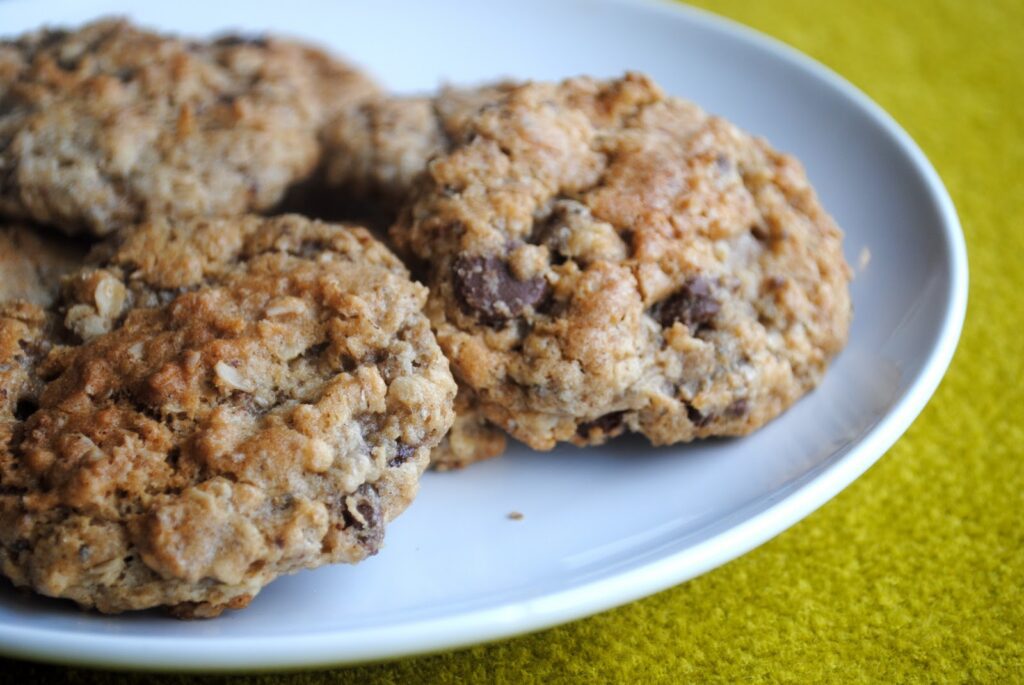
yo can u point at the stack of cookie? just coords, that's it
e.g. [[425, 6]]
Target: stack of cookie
[[199, 393]]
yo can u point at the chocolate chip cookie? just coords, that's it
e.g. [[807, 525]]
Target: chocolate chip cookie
[[108, 124], [32, 263], [212, 404], [603, 258]]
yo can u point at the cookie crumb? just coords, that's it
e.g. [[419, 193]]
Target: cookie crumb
[[515, 516], [864, 259]]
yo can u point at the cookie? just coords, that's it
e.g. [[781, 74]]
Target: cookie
[[214, 404], [375, 150], [32, 263], [604, 258], [107, 124]]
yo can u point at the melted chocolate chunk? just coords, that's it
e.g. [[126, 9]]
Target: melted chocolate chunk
[[486, 288], [607, 424], [693, 305]]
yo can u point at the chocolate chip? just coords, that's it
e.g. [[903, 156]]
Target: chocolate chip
[[361, 512], [402, 455], [366, 503], [486, 288], [760, 232], [692, 305], [737, 409], [607, 424], [696, 418]]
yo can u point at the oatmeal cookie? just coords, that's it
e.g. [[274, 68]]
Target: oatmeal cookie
[[212, 405], [108, 124], [32, 263], [603, 257], [376, 149]]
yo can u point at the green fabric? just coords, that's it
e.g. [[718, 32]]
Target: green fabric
[[914, 573]]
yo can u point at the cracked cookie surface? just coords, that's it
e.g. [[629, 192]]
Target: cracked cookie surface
[[105, 125], [603, 258], [212, 404]]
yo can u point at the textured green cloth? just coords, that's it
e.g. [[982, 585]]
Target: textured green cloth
[[914, 573]]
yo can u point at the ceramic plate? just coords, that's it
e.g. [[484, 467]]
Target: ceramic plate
[[603, 526]]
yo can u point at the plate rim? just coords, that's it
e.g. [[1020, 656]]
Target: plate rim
[[517, 617]]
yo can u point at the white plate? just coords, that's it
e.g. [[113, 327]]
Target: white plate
[[608, 525]]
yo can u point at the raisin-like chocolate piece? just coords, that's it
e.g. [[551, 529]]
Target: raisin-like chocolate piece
[[692, 305], [607, 424], [486, 288]]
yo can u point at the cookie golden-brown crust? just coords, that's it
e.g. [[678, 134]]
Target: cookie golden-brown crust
[[603, 257], [218, 402], [32, 263], [108, 124]]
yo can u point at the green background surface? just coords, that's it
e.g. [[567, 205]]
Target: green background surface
[[915, 572]]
